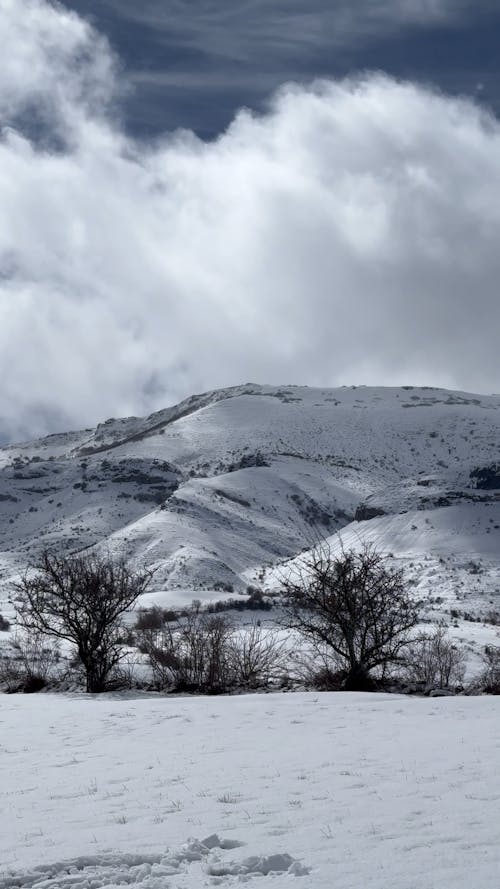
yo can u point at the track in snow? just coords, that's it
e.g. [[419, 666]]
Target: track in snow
[[153, 871]]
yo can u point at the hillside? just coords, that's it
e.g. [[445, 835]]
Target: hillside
[[214, 489]]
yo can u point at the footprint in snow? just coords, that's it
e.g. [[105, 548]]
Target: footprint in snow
[[151, 871]]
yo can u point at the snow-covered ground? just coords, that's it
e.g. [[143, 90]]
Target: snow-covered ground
[[315, 791]]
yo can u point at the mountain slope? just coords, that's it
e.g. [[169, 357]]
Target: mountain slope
[[212, 489]]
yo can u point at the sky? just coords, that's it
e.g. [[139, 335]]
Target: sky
[[198, 194]]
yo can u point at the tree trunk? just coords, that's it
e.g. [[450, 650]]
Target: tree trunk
[[95, 678], [359, 679]]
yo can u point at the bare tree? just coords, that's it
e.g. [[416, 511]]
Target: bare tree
[[81, 599], [353, 604]]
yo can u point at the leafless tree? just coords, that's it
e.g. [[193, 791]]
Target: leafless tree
[[355, 605], [81, 599]]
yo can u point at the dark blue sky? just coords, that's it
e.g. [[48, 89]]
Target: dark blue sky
[[192, 63]]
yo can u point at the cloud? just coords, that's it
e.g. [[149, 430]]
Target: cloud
[[233, 31], [348, 235], [54, 68], [248, 47]]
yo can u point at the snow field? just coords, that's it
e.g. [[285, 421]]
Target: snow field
[[321, 791]]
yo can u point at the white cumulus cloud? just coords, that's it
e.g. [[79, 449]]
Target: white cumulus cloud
[[348, 235]]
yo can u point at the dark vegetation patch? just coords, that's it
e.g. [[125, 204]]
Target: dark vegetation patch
[[364, 512], [233, 498], [486, 478], [313, 513], [248, 461]]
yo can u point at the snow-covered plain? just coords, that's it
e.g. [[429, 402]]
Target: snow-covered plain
[[316, 791]]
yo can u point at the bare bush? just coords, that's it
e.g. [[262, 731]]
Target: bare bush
[[325, 679], [434, 661], [150, 618], [258, 656], [29, 664], [190, 654], [254, 602], [353, 604], [316, 666], [11, 679], [203, 652], [158, 646], [490, 678], [321, 673]]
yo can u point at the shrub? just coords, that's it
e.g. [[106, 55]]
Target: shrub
[[325, 679], [4, 624], [252, 603], [224, 586], [190, 654], [492, 617], [257, 656], [434, 661], [490, 679], [150, 619], [30, 664], [202, 652]]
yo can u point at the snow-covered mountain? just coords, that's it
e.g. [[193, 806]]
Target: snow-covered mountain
[[214, 489]]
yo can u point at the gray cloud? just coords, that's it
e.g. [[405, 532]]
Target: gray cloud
[[348, 235]]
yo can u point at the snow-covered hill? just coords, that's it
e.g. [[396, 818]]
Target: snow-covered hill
[[211, 491]]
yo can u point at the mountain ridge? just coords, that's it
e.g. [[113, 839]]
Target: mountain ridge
[[216, 489]]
